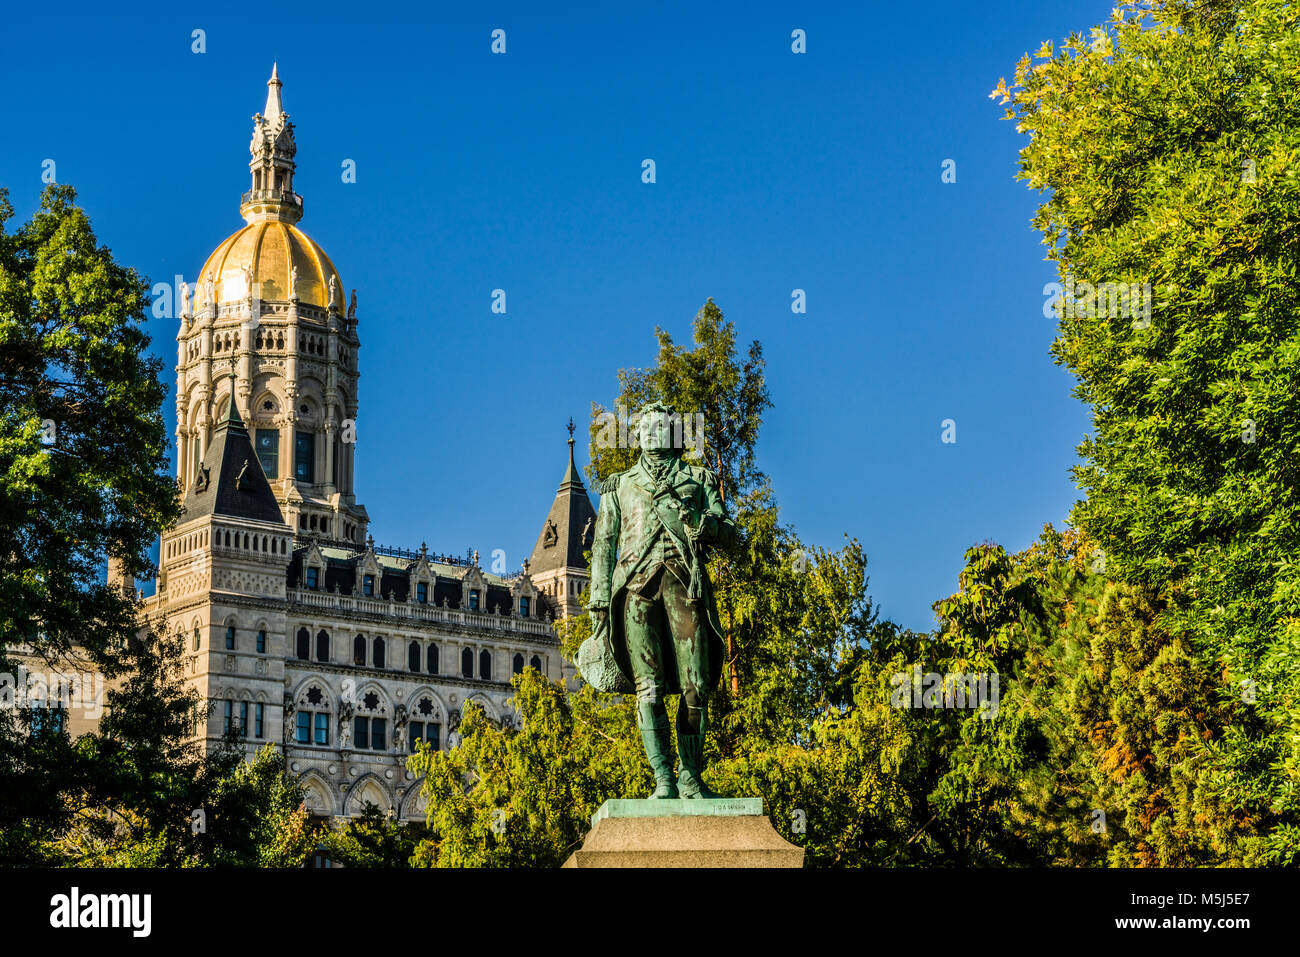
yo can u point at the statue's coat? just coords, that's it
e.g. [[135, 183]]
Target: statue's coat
[[632, 517]]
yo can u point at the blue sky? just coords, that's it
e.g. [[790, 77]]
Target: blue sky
[[522, 171]]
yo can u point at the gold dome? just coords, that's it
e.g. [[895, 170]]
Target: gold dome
[[270, 249]]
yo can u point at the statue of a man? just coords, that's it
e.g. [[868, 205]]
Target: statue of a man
[[185, 298], [655, 622]]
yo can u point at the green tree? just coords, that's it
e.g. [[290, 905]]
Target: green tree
[[83, 466], [371, 840], [509, 797], [1167, 144]]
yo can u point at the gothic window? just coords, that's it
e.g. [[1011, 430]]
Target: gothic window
[[523, 607], [304, 644], [370, 701], [473, 599], [467, 663], [304, 457], [359, 650], [243, 718], [378, 657], [322, 645], [259, 720], [303, 735], [485, 665], [230, 638], [369, 734], [422, 593], [322, 728], [413, 656], [261, 642], [536, 663], [433, 659], [313, 578], [229, 721], [368, 585], [268, 451], [425, 707], [519, 664], [196, 639], [418, 731]]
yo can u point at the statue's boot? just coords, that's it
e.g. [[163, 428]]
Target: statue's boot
[[689, 782], [658, 748]]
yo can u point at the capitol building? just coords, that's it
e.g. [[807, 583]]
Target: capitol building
[[297, 628]]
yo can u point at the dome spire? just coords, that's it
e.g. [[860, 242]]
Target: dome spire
[[273, 105], [273, 149]]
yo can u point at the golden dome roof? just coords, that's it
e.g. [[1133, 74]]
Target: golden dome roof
[[270, 249]]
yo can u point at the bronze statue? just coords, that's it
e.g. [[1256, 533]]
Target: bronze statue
[[655, 622]]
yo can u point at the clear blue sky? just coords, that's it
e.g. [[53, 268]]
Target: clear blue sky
[[475, 171]]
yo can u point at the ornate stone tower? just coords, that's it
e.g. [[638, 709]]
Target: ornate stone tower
[[268, 307], [557, 566]]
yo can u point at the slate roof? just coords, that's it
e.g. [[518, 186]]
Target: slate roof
[[564, 526], [230, 480]]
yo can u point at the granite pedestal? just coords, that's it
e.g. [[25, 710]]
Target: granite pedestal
[[722, 832]]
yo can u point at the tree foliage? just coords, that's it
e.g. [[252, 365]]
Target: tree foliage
[[1167, 145]]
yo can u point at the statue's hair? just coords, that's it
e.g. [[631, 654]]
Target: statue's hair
[[656, 406]]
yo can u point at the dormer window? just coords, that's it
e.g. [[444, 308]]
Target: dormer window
[[473, 599], [313, 578], [422, 593], [368, 585], [523, 607]]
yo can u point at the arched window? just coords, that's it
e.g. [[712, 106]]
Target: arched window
[[261, 642], [519, 664], [536, 663], [359, 650], [413, 656], [230, 638], [467, 663], [196, 639], [322, 645], [485, 664], [304, 644], [378, 656], [433, 659]]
